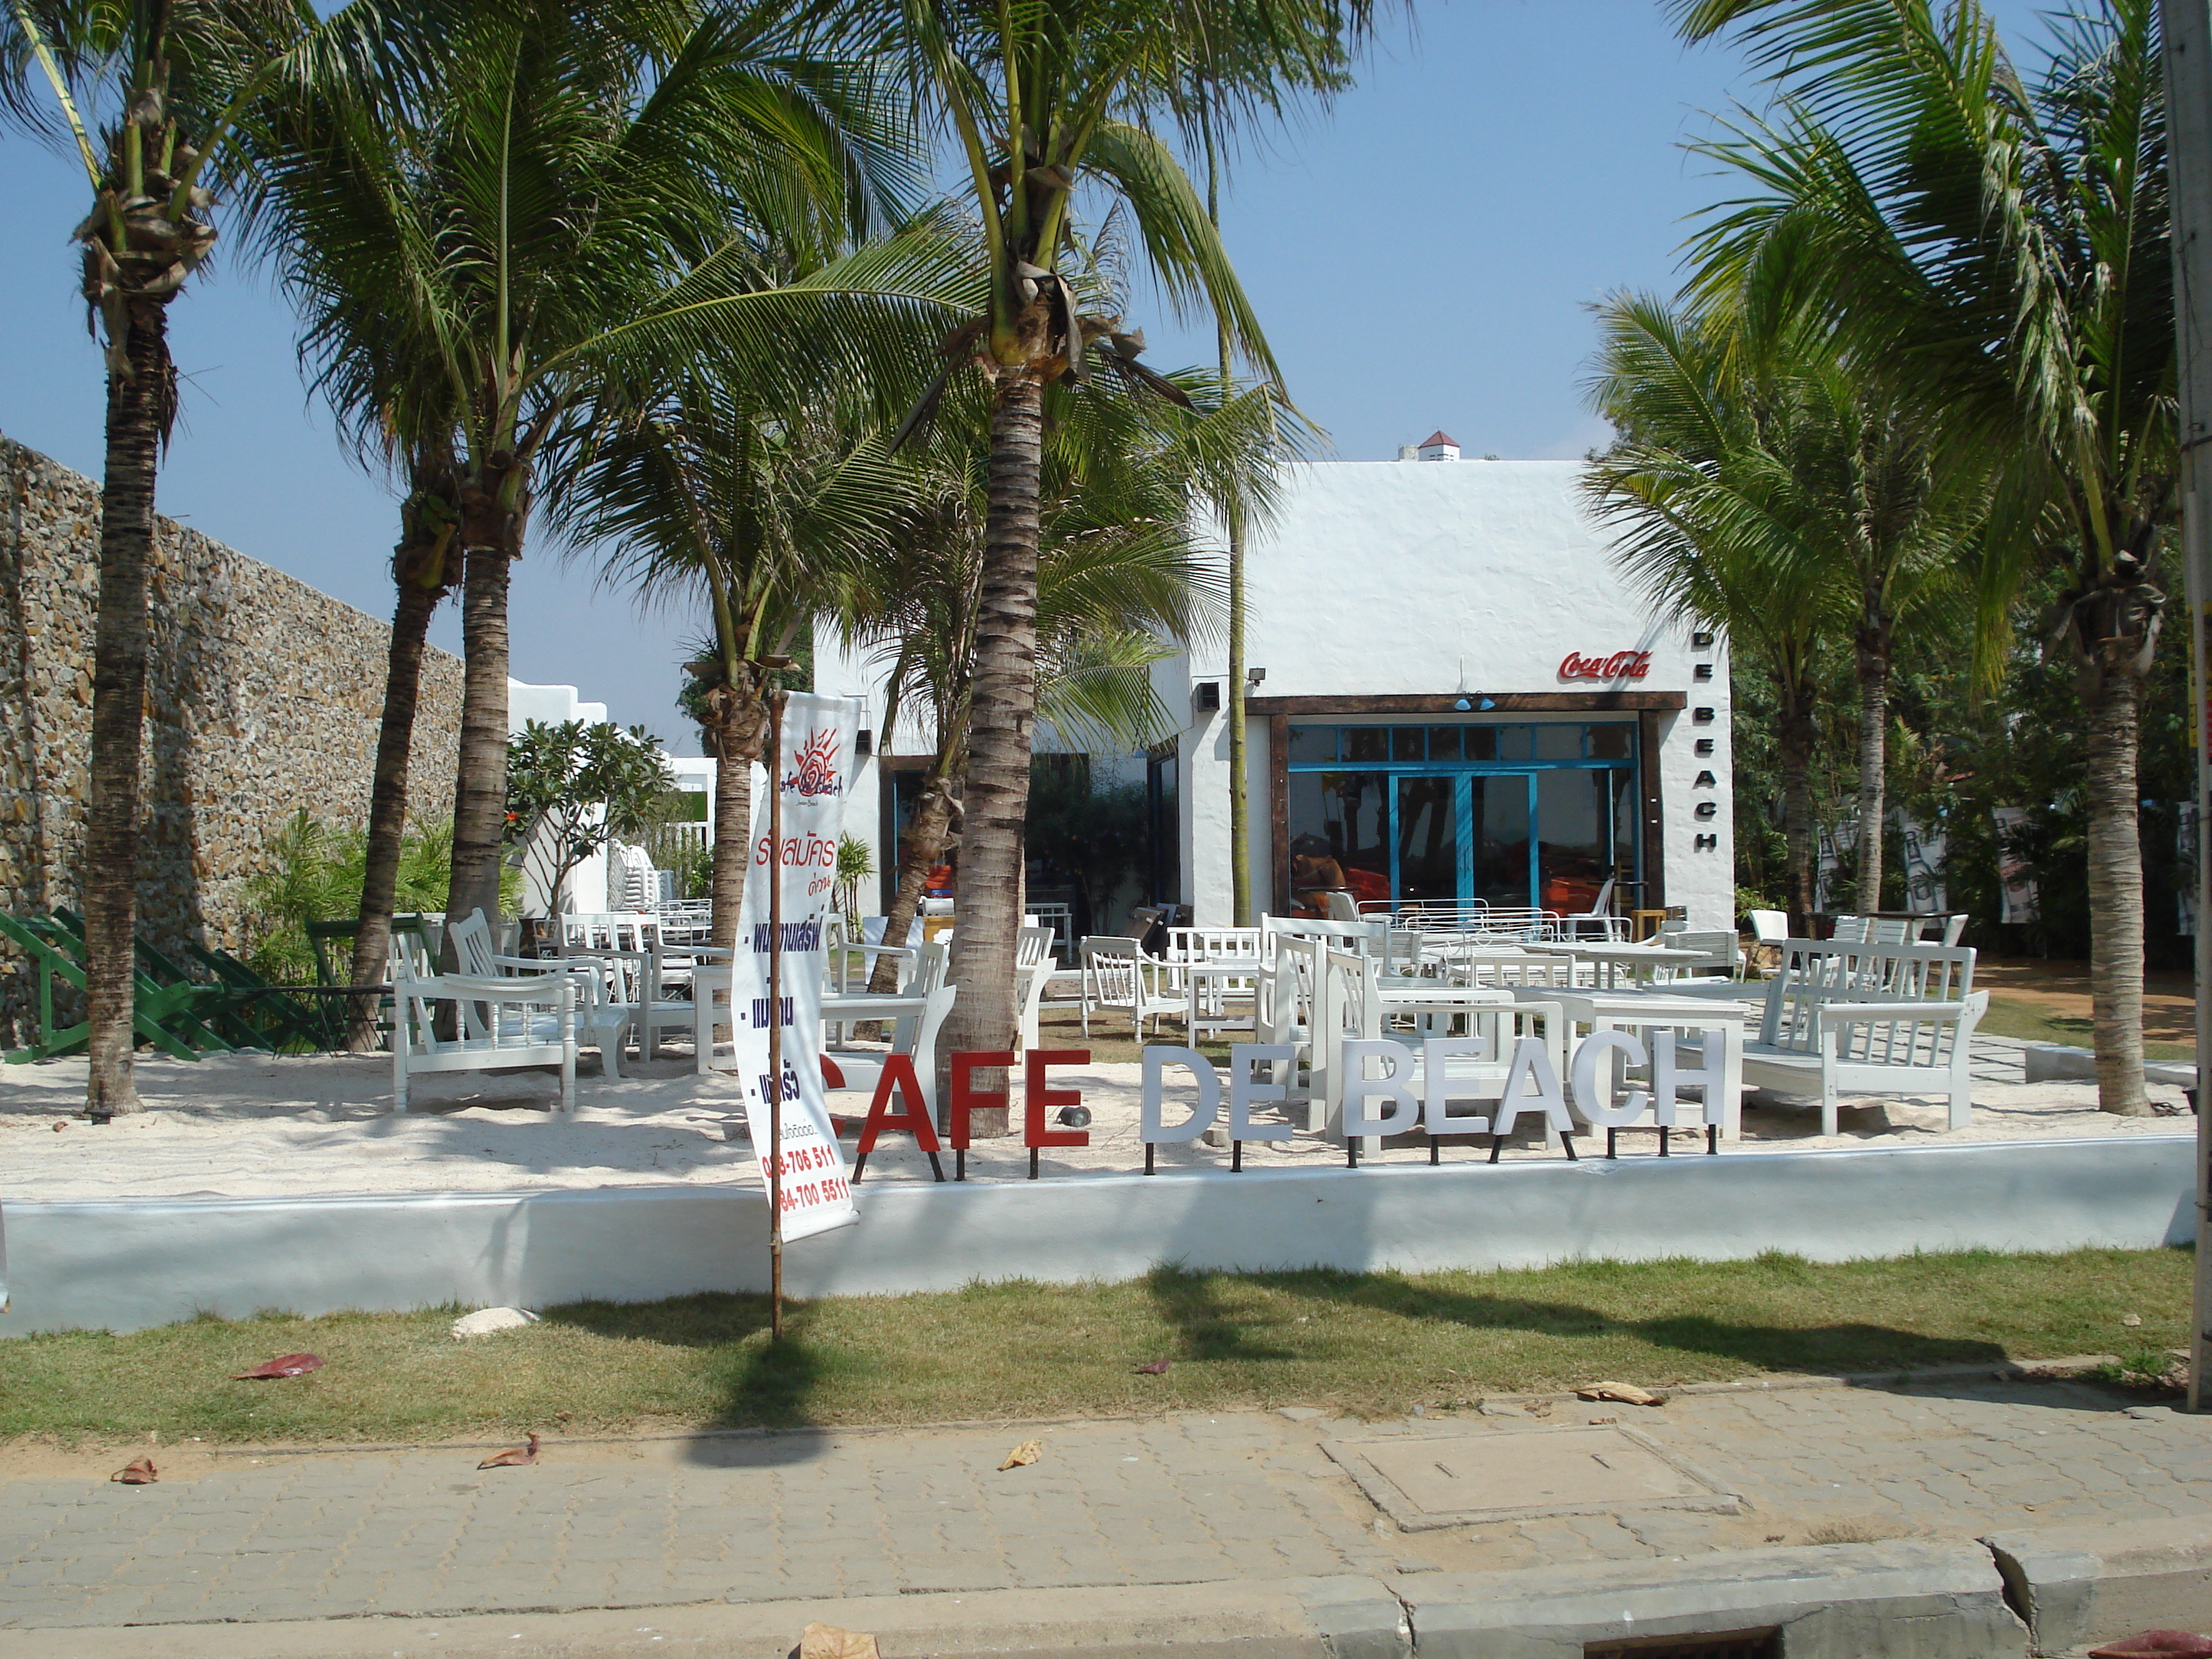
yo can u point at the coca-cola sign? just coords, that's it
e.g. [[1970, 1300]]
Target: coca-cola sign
[[1620, 665]]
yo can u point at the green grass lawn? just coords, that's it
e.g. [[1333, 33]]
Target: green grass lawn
[[2013, 1017], [1369, 1344]]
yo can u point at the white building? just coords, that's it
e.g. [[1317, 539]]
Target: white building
[[1454, 697]]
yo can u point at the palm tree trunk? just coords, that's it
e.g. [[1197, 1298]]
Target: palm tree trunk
[[387, 802], [480, 785], [1873, 736], [1002, 713], [1796, 740], [734, 815], [925, 844], [2116, 891], [139, 405]]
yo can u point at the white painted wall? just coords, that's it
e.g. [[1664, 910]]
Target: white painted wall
[[1429, 577], [123, 1264], [1413, 578], [551, 705], [839, 674]]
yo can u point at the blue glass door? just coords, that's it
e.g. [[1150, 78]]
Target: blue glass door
[[1501, 811]]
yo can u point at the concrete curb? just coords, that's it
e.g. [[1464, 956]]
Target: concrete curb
[[2079, 1586], [1337, 1618], [2056, 1062], [1904, 1599]]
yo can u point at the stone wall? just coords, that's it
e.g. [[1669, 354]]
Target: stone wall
[[263, 696]]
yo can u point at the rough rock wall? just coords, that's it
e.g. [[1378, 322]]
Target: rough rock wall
[[263, 696]]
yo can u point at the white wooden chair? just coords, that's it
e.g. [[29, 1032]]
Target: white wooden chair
[[1034, 967], [595, 1014], [501, 1021], [1722, 956], [863, 1068], [1769, 928], [1119, 977]]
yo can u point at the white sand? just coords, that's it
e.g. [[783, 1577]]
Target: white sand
[[250, 1125]]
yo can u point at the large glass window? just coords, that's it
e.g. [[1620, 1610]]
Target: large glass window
[[1161, 769], [1339, 834], [1513, 813]]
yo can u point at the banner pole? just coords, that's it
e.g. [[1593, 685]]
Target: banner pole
[[775, 1014]]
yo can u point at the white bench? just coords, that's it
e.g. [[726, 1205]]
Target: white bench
[[502, 1021], [1872, 1018]]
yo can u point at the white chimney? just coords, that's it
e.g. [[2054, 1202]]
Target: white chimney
[[1437, 446]]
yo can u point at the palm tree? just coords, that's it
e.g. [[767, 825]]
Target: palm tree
[[2006, 244], [706, 497], [1045, 101], [423, 575], [1892, 507], [1122, 572], [148, 93], [542, 206], [1704, 484]]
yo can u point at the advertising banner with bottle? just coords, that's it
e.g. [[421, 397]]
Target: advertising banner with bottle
[[813, 772]]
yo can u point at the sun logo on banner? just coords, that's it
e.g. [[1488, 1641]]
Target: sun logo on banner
[[815, 769]]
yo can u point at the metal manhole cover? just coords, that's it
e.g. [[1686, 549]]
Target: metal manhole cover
[[1456, 1480]]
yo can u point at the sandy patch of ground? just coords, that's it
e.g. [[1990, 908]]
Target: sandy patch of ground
[[254, 1125]]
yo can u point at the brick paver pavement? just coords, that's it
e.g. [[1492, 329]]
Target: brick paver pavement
[[1190, 1499]]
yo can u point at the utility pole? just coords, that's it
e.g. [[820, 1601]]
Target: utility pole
[[2187, 26]]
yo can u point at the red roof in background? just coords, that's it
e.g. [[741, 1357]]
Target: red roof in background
[[1436, 438]]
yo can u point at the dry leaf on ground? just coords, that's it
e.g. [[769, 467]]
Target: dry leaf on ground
[[820, 1641], [285, 1364], [2153, 1642], [1028, 1452], [513, 1458], [138, 1472], [1627, 1392]]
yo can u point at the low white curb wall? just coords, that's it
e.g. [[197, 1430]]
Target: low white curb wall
[[120, 1265]]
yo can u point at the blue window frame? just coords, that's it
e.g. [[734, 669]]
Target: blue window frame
[[1516, 813]]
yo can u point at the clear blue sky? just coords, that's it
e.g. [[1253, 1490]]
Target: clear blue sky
[[1421, 257]]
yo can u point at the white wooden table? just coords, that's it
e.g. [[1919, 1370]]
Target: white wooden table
[[1640, 960], [1213, 985], [1713, 1020]]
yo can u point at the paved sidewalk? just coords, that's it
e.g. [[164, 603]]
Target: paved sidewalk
[[1190, 1499]]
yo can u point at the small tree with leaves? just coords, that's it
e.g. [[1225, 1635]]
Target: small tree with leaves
[[572, 788]]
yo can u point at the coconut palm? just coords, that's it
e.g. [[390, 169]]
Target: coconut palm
[[2006, 244], [708, 499], [1893, 507], [1705, 487], [542, 206], [148, 94], [1043, 102], [1122, 572]]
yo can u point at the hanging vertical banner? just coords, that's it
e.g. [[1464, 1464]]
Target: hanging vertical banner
[[1926, 893], [813, 772], [2016, 887]]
